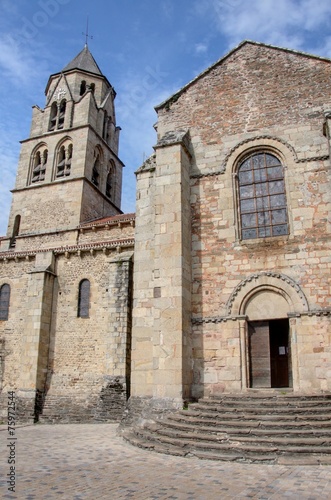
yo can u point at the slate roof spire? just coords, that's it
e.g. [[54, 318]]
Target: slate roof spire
[[85, 62]]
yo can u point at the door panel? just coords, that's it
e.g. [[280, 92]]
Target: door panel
[[269, 353], [260, 370]]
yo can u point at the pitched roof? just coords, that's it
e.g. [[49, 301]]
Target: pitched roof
[[113, 219], [175, 96], [85, 62]]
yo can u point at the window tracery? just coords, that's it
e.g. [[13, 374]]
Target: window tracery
[[262, 197]]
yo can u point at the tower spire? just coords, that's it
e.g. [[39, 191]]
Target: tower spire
[[87, 36]]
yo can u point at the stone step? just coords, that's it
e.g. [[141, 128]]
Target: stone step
[[246, 428], [277, 410], [268, 400], [256, 415], [199, 435], [252, 423], [241, 448]]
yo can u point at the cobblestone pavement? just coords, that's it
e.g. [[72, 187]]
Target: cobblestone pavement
[[92, 462]]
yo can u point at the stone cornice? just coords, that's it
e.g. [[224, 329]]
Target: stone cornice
[[71, 249], [224, 319]]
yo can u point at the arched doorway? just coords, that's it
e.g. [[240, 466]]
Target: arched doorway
[[265, 301]]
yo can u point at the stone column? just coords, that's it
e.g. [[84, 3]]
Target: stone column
[[161, 367], [244, 352], [36, 337]]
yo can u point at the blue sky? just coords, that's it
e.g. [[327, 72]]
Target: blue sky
[[147, 49]]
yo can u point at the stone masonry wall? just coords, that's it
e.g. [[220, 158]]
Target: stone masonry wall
[[87, 372], [258, 98], [13, 333]]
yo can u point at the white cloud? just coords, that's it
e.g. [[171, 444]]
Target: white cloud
[[287, 23], [201, 48], [21, 64]]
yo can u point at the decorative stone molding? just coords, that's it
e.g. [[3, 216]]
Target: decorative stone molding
[[313, 312], [268, 280], [266, 141], [217, 319]]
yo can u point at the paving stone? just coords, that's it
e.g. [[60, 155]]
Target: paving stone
[[86, 461]]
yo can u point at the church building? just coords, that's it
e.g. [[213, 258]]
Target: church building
[[218, 284]]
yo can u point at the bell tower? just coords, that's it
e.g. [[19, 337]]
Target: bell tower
[[69, 171]]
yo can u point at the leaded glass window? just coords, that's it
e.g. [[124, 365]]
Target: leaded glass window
[[262, 198]]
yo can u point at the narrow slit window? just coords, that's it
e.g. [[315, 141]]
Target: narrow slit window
[[82, 87], [4, 302], [84, 299]]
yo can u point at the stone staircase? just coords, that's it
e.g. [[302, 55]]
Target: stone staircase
[[283, 429]]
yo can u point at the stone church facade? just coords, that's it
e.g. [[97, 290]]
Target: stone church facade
[[219, 283]]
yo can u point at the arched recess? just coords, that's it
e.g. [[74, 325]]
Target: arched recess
[[265, 301], [97, 166], [274, 285]]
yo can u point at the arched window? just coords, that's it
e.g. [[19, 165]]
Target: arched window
[[262, 198], [53, 117], [82, 87], [62, 111], [16, 231], [96, 168], [57, 115], [39, 162], [109, 180], [109, 185], [64, 158], [4, 302], [92, 87], [83, 299]]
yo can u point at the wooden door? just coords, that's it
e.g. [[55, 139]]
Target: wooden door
[[259, 354], [279, 352], [269, 353]]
